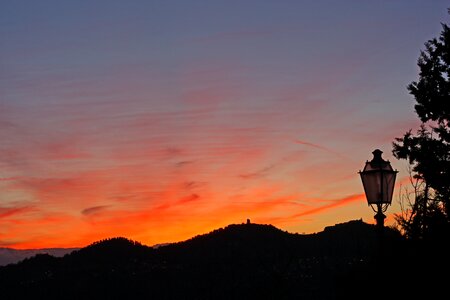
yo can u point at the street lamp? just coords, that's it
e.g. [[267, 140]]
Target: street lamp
[[378, 179]]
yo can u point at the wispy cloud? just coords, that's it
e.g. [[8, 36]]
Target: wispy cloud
[[317, 210], [10, 179], [234, 35], [94, 210], [322, 148], [332, 204], [6, 212], [257, 173]]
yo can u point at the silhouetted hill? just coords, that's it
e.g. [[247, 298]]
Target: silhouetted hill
[[247, 261], [109, 251]]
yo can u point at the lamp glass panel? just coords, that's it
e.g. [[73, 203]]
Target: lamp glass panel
[[388, 186], [372, 186]]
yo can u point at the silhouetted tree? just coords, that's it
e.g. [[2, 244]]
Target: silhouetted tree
[[428, 151], [419, 217]]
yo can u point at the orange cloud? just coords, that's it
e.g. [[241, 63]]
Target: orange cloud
[[317, 210]]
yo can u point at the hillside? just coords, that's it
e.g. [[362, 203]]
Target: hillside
[[247, 261]]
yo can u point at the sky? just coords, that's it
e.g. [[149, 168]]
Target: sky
[[161, 120]]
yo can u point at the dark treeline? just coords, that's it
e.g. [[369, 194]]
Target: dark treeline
[[248, 261]]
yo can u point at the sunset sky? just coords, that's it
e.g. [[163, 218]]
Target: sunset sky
[[161, 120]]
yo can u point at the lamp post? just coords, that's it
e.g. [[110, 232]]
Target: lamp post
[[378, 179]]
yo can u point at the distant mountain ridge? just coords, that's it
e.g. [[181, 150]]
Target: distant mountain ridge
[[240, 261], [11, 256]]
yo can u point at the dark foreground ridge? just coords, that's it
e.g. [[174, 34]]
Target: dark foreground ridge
[[247, 261]]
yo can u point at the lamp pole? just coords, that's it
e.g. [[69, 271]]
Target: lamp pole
[[380, 216]]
